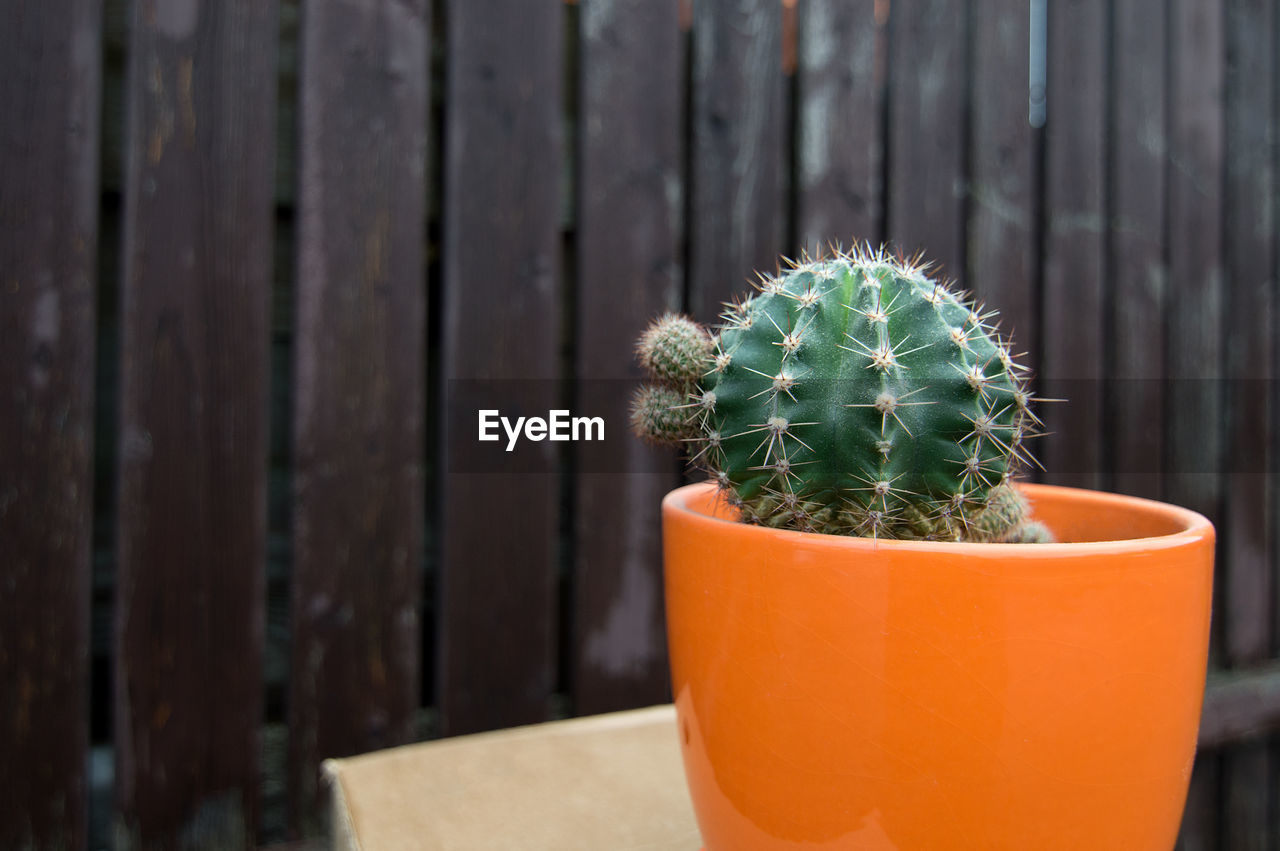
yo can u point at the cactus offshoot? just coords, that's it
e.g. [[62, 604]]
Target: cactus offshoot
[[850, 395]]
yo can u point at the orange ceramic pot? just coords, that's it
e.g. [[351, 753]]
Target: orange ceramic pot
[[848, 693]]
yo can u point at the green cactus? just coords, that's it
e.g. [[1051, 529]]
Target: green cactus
[[674, 350], [853, 395], [658, 416]]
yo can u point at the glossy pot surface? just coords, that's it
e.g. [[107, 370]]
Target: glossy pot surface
[[848, 693]]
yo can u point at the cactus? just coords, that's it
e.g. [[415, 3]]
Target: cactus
[[851, 394], [674, 351]]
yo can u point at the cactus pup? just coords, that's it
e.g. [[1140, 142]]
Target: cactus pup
[[851, 394]]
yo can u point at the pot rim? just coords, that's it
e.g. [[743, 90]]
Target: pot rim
[[1190, 527]]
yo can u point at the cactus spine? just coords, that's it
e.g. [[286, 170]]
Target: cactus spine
[[853, 395]]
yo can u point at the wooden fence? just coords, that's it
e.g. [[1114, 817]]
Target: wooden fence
[[253, 264]]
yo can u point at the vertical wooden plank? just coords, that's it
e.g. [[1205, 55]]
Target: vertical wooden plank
[[1194, 343], [1249, 196], [1072, 339], [1250, 262], [1194, 363], [840, 133], [736, 209], [1273, 470], [193, 438], [358, 439], [1001, 221], [629, 202], [928, 69], [50, 56], [1136, 251], [501, 267], [1195, 254]]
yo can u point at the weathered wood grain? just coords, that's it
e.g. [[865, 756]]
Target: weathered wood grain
[[116, 15], [628, 270], [50, 57], [1136, 251], [193, 434], [1072, 338], [1001, 230], [359, 384], [928, 69], [839, 132], [1196, 288], [1193, 364], [1249, 262], [497, 651], [737, 216]]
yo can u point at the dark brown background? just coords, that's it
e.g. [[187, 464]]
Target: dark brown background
[[244, 251]]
